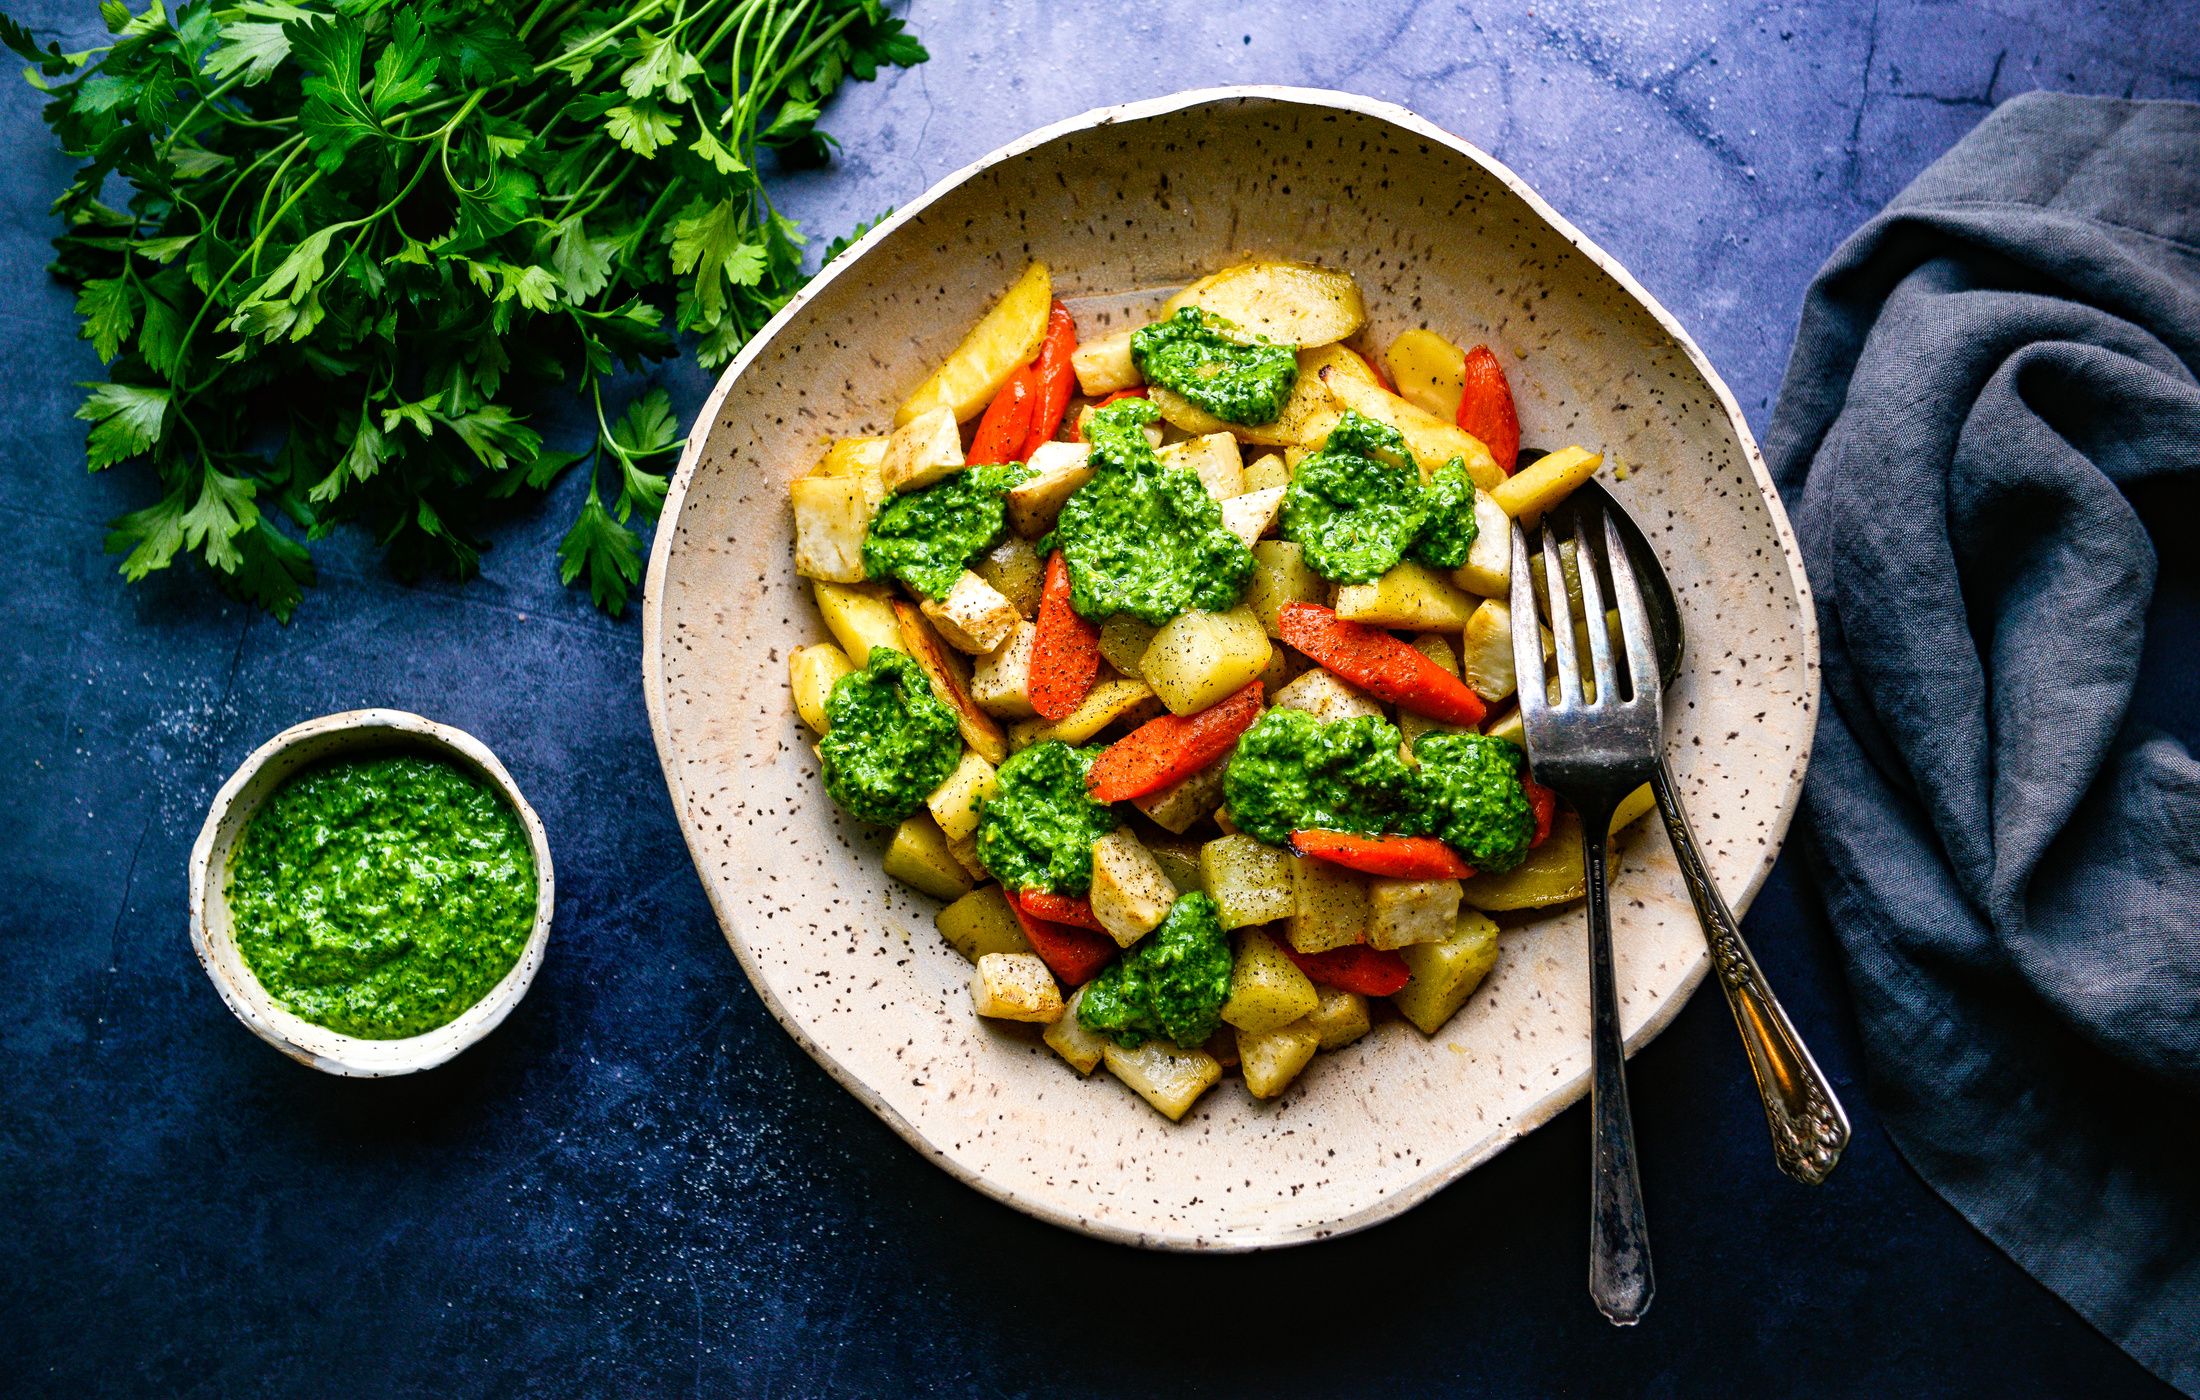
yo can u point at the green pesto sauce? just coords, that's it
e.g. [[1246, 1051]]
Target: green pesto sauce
[[1292, 771], [1036, 830], [1143, 537], [889, 741], [1172, 984], [382, 897], [1450, 529], [924, 538], [1236, 380], [1467, 791], [1356, 506]]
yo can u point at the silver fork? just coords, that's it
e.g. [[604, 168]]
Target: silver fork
[[1593, 753]]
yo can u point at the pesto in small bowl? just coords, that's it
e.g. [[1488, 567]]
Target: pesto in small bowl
[[382, 896]]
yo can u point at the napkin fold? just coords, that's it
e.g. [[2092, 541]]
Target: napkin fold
[[1989, 437]]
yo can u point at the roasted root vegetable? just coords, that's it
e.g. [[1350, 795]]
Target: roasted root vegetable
[[1486, 408], [1058, 469], [1339, 1018], [860, 616], [1065, 653], [944, 669], [1179, 808], [1013, 568], [1402, 913], [1121, 700], [1249, 882], [1488, 570], [1552, 873], [981, 922], [1380, 664], [1397, 857], [1429, 372], [954, 803], [974, 617], [1006, 425], [1055, 378], [1280, 576], [1270, 1060], [1123, 642], [1163, 752], [1002, 342], [1267, 990], [1293, 303], [1534, 489], [1105, 366], [1410, 596], [1000, 683], [1326, 698], [1198, 658], [1329, 906], [1446, 972], [925, 450], [1214, 458], [1069, 1038], [1432, 441], [1015, 987], [831, 515], [919, 858], [1251, 514], [1130, 893], [1169, 1078], [1370, 972], [812, 671]]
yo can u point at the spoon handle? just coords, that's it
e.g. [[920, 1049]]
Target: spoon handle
[[1809, 1128]]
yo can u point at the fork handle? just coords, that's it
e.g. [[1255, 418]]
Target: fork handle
[[1619, 1233], [1809, 1128]]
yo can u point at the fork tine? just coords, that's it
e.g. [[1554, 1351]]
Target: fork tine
[[1634, 618], [1562, 620], [1527, 638], [1586, 546]]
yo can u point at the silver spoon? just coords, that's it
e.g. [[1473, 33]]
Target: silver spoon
[[1809, 1128]]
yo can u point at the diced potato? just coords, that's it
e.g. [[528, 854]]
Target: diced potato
[[1105, 365], [1488, 570], [954, 803], [1015, 987], [1280, 575], [1438, 648], [831, 518], [1181, 806], [1430, 372], [856, 456], [1265, 471], [1409, 595], [926, 450], [950, 682], [1214, 458], [1034, 505], [860, 616], [1001, 682], [1432, 440], [1130, 894], [1251, 514], [1124, 699], [1267, 989], [1223, 822], [1270, 1060], [965, 853], [1292, 302], [1069, 1038], [1405, 912], [1526, 494], [1552, 873], [981, 922], [1249, 882], [1486, 651], [1508, 727], [1169, 1078], [920, 859], [1326, 698], [1014, 568], [1331, 907], [973, 617], [1445, 973], [1340, 1019], [812, 672], [1123, 640], [1002, 342], [1199, 658]]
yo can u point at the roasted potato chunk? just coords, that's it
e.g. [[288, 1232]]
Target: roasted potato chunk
[[1015, 987], [831, 517], [1552, 873], [1068, 1037], [1488, 570], [1331, 907], [1199, 658], [926, 450], [1280, 575], [1001, 681], [1034, 505], [1405, 912], [1409, 595], [1251, 514], [1164, 1075], [1130, 894], [1432, 441], [1123, 642], [1445, 973], [1265, 471], [1103, 366], [1014, 568], [1124, 699], [1181, 806], [973, 617], [1533, 489], [1326, 698], [1292, 302], [1003, 341], [1270, 1060], [1214, 458], [1250, 883], [1430, 372], [1267, 989], [981, 922], [1340, 1018], [812, 672], [860, 616], [954, 803], [919, 858]]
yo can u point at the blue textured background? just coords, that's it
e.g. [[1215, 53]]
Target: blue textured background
[[639, 1183]]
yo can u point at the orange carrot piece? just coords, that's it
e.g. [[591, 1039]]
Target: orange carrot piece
[[1065, 650], [1486, 407], [1396, 857], [1379, 664], [1172, 748]]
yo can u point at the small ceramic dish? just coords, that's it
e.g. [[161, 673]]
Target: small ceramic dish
[[213, 935], [1121, 202]]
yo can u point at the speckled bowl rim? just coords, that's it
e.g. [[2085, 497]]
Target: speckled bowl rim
[[654, 627], [318, 1047]]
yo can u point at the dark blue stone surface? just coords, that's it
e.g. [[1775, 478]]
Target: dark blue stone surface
[[640, 1184]]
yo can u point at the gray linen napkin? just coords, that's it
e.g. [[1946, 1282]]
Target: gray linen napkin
[[1989, 427]]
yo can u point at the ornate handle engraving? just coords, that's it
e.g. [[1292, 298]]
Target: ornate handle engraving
[[1809, 1128]]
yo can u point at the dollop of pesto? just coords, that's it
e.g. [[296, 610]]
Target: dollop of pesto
[[382, 897], [1292, 771], [1143, 537], [1036, 830], [890, 741], [1193, 354], [1450, 529], [1467, 791], [1356, 506], [924, 538], [1172, 984]]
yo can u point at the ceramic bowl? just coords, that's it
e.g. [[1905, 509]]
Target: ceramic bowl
[[213, 935], [1150, 195]]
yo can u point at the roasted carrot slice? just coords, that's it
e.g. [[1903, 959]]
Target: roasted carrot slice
[[1172, 748], [1398, 857], [1065, 648], [1379, 664], [1372, 972], [1486, 407]]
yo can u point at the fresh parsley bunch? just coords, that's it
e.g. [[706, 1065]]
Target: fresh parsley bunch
[[357, 234]]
